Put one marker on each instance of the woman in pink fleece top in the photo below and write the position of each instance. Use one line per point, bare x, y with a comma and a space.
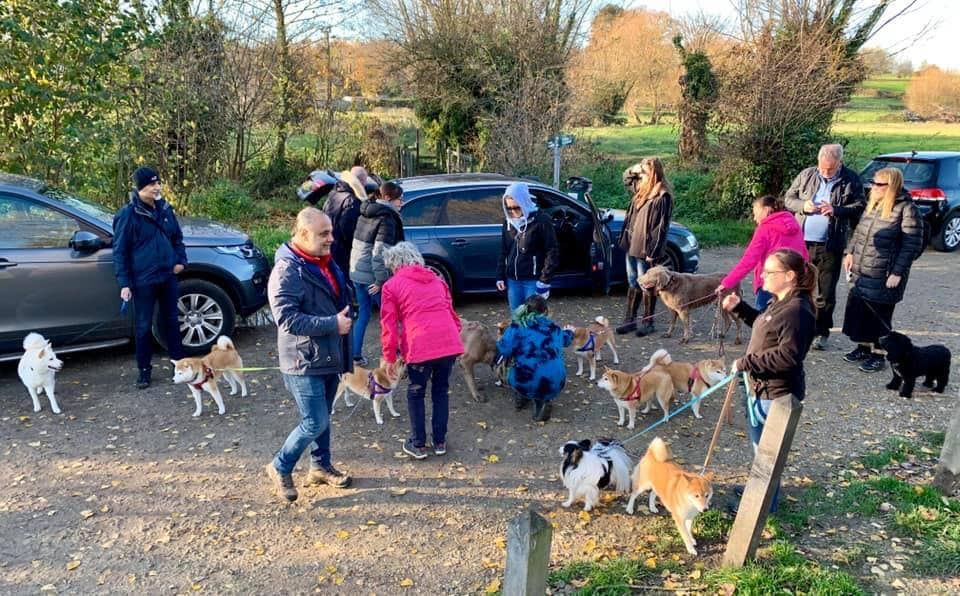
418, 321
776, 229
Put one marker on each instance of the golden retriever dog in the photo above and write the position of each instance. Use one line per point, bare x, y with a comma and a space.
588, 342
684, 494
683, 292
479, 347
629, 390
689, 378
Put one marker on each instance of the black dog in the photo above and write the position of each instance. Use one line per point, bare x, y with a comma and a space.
909, 362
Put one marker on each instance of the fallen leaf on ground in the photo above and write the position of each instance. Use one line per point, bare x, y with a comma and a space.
500, 542
72, 565
406, 583
342, 534
583, 516
86, 514
493, 458
493, 587
651, 562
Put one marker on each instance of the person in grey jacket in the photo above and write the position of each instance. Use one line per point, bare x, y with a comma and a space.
310, 300
887, 240
378, 228
827, 200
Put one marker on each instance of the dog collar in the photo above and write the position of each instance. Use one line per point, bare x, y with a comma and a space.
207, 375
590, 345
374, 387
694, 377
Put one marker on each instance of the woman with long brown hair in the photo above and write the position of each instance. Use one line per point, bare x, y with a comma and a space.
644, 236
878, 260
781, 337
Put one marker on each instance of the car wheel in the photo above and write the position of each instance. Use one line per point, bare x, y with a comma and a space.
949, 237
205, 313
671, 260
442, 272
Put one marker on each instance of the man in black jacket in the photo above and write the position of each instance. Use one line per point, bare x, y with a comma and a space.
828, 200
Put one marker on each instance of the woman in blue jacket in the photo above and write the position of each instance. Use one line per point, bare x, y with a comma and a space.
148, 253
534, 345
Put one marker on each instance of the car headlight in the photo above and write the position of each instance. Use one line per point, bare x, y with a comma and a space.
244, 251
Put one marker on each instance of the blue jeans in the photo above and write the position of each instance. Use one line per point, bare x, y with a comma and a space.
519, 290
761, 410
635, 268
438, 373
763, 299
314, 397
365, 304
144, 298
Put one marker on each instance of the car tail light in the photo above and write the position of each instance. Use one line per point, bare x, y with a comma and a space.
928, 193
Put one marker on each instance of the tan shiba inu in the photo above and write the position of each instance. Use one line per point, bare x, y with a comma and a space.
376, 384
629, 390
683, 494
689, 378
202, 374
588, 342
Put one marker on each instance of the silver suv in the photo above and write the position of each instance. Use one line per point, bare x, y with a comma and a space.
56, 274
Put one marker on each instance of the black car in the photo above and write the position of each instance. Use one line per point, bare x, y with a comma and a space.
456, 221
933, 179
56, 274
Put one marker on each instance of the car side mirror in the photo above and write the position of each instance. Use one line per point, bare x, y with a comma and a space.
85, 242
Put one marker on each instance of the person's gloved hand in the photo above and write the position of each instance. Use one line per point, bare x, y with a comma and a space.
543, 289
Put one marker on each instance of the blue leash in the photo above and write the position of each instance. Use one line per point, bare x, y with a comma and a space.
692, 401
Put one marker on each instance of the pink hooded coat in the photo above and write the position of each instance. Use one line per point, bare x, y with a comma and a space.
779, 230
417, 317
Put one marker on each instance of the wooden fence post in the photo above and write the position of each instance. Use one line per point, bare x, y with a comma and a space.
528, 555
947, 474
764, 478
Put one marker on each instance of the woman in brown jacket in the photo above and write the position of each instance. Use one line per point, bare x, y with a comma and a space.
644, 237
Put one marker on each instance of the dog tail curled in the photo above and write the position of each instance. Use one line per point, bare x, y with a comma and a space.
659, 358
33, 341
225, 343
660, 450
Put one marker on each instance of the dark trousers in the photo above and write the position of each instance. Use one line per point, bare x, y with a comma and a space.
437, 372
828, 266
164, 296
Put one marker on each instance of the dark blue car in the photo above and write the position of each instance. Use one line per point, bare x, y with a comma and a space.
456, 220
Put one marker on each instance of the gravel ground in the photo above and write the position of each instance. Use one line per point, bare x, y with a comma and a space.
125, 492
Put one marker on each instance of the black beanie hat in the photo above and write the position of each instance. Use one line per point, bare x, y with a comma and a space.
145, 176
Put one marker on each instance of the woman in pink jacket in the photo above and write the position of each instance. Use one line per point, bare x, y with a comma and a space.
418, 321
776, 229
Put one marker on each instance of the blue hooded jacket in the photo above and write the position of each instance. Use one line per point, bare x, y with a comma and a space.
147, 243
535, 345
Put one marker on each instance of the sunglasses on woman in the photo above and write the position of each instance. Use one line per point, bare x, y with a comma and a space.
876, 183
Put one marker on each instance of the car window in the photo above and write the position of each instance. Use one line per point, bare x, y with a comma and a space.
475, 207
28, 224
82, 205
422, 211
916, 173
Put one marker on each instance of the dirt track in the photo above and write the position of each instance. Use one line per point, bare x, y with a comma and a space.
125, 492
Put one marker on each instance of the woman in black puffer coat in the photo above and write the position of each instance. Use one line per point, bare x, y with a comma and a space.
878, 258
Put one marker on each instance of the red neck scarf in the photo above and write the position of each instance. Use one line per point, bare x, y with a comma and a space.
322, 263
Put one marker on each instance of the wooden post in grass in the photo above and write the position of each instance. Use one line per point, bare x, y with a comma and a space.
947, 475
763, 480
528, 555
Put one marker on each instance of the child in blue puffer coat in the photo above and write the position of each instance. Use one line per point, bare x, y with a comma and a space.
534, 344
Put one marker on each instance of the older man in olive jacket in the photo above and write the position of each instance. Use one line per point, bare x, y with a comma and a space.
310, 299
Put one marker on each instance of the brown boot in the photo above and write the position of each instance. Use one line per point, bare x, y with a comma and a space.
282, 483
649, 305
630, 316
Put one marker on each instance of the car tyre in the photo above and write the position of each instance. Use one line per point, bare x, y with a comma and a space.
948, 239
208, 313
442, 272
671, 260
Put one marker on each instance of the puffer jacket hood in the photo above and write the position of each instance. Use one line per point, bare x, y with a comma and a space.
417, 274
377, 208
519, 192
782, 222
346, 177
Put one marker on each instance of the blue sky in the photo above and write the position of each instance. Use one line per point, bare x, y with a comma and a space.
927, 33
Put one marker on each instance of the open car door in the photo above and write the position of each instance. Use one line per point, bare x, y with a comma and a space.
601, 248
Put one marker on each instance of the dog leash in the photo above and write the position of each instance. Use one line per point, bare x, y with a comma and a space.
684, 305
249, 368
723, 414
689, 404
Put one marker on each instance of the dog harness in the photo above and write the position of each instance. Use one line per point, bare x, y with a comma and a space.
590, 345
694, 377
374, 387
207, 375
635, 395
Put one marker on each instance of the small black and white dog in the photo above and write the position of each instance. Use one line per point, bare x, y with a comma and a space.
588, 467
909, 362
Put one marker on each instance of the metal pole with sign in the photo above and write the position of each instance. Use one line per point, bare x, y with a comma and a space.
556, 144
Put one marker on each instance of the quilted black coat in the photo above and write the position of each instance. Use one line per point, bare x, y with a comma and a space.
884, 246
